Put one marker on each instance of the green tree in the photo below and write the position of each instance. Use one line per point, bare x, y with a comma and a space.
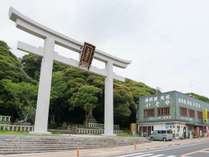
123, 99
86, 98
137, 89
199, 97
31, 65
19, 99
10, 66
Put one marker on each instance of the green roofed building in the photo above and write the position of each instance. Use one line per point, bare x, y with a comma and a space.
185, 116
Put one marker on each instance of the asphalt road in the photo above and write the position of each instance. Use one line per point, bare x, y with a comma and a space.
187, 150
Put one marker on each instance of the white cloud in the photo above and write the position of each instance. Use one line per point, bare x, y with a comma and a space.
167, 40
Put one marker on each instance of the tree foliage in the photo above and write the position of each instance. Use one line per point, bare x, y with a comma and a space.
11, 67
17, 90
86, 98
19, 96
76, 95
199, 97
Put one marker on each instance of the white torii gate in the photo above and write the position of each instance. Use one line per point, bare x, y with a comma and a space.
48, 54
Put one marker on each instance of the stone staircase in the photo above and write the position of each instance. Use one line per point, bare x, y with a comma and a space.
12, 144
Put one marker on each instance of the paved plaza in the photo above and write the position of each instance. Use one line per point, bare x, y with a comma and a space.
153, 149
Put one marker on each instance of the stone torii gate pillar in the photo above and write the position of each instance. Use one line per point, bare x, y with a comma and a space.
42, 111
52, 38
109, 121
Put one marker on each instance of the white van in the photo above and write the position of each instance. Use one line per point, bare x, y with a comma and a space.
162, 135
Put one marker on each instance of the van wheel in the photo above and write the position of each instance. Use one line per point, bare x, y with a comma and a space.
164, 139
151, 139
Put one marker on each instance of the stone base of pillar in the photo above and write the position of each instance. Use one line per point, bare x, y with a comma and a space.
108, 135
40, 133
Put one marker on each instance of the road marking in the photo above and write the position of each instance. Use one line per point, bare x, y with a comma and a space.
143, 155
157, 155
146, 155
175, 148
155, 150
129, 155
195, 152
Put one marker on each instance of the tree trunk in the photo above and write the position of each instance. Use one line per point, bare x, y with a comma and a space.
88, 116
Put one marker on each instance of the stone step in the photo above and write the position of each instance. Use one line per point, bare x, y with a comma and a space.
12, 144
39, 149
76, 142
45, 145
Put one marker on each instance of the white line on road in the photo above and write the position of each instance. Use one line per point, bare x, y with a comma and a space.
129, 155
174, 147
146, 155
143, 155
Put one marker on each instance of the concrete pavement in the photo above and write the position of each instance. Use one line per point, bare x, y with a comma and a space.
155, 147
198, 149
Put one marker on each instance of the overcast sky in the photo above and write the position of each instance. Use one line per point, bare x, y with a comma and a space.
167, 40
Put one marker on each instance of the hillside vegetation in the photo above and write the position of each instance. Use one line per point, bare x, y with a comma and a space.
76, 95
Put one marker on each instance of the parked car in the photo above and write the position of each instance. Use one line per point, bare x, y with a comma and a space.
162, 135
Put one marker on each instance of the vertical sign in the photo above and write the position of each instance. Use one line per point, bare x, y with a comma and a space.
87, 55
205, 115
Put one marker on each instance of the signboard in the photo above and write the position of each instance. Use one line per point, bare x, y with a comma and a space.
188, 102
87, 55
205, 115
157, 101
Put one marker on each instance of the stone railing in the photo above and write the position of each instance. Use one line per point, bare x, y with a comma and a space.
94, 131
95, 125
90, 131
5, 119
99, 125
21, 128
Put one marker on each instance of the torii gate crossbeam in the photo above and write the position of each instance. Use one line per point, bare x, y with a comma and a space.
48, 54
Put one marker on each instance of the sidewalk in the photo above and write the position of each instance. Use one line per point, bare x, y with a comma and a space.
107, 152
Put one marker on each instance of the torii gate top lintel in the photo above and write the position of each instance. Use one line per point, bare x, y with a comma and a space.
33, 27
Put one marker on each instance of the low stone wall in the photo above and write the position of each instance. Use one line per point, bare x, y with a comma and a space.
22, 128
5, 119
87, 131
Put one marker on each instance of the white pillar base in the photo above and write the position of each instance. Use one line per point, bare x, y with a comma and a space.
113, 135
40, 133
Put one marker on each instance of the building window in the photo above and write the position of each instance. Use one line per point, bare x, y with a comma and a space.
191, 113
149, 113
164, 111
199, 115
183, 112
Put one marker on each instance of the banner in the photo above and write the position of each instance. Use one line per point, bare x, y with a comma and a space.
205, 115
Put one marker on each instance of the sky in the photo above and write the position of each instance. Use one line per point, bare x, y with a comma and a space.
166, 40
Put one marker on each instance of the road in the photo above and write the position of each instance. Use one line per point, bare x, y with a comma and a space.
187, 150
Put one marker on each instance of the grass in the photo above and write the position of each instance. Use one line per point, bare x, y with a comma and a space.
56, 133
13, 133
25, 133
127, 133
